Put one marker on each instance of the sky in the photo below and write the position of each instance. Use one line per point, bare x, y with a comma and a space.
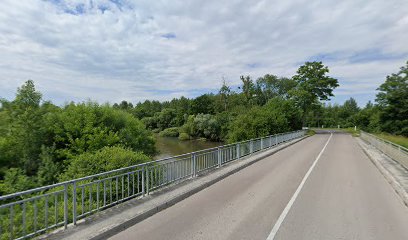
114, 50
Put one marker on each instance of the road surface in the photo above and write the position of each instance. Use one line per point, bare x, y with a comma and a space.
323, 187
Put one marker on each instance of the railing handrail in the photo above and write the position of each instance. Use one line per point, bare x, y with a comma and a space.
5, 197
386, 141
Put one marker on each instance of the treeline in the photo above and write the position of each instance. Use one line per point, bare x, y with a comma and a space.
389, 113
267, 105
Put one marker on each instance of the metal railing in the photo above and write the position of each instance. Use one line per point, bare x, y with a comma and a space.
394, 151
36, 211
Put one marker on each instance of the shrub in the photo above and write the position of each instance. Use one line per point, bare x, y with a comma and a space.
105, 159
170, 132
184, 136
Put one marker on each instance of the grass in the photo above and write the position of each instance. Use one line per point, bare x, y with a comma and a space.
354, 133
400, 140
310, 132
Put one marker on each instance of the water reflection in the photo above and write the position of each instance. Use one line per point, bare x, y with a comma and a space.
169, 146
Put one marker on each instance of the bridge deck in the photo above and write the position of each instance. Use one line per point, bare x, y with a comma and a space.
345, 197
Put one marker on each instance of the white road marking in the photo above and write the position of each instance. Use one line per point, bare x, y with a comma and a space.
285, 212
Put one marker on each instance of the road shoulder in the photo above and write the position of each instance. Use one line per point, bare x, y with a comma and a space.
394, 173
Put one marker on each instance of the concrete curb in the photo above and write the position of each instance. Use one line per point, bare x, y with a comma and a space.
122, 226
387, 175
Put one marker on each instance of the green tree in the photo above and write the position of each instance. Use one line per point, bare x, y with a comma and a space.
270, 86
83, 127
278, 115
15, 180
224, 94
393, 100
348, 113
248, 88
313, 85
22, 129
203, 104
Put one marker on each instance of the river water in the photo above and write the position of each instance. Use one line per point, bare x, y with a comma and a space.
171, 146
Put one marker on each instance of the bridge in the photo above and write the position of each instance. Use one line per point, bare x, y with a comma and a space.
286, 186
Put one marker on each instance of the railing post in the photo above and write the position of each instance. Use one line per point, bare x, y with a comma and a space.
65, 206
147, 180
74, 211
143, 181
219, 156
238, 151
276, 139
193, 164
262, 143
251, 146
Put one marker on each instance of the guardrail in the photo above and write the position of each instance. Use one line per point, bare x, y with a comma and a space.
36, 211
394, 151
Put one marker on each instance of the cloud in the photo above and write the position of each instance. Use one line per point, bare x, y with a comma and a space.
169, 35
134, 50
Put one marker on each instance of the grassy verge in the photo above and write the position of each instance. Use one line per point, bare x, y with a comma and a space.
354, 133
400, 140
310, 132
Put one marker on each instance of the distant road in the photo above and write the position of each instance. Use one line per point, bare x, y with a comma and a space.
343, 197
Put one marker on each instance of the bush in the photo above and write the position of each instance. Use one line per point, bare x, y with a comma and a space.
276, 116
202, 125
184, 136
88, 127
170, 132
105, 159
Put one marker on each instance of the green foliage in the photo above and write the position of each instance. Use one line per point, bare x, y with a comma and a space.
310, 132
203, 104
400, 140
313, 85
202, 125
170, 132
276, 116
83, 127
393, 99
22, 129
165, 118
248, 88
224, 93
105, 159
184, 136
270, 86
38, 139
15, 180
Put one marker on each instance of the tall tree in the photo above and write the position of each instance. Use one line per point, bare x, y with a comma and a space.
393, 99
313, 85
224, 93
248, 88
270, 86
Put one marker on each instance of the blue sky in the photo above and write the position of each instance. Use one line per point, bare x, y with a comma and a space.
113, 50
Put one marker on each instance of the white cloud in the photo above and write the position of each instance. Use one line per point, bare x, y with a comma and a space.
107, 51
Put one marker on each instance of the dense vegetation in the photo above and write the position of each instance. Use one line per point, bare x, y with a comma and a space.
41, 143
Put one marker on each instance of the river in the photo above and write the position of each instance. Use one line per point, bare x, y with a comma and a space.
171, 146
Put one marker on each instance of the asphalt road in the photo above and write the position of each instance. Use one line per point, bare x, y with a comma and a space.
315, 189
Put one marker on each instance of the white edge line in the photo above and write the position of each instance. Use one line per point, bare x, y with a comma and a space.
285, 212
